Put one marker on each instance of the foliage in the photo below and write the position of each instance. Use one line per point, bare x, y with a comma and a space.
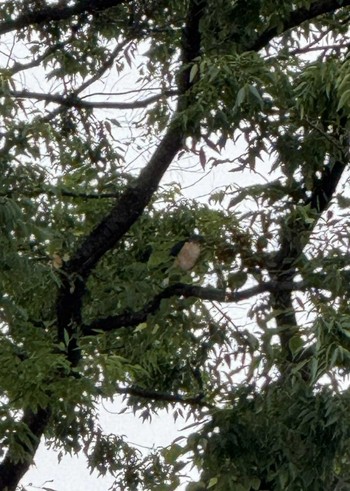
92, 304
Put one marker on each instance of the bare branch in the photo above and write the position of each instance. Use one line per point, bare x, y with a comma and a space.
18, 67
104, 67
326, 47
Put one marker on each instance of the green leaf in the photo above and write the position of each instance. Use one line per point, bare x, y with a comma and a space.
296, 344
193, 72
212, 482
241, 96
344, 99
172, 453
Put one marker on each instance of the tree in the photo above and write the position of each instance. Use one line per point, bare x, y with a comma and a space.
93, 305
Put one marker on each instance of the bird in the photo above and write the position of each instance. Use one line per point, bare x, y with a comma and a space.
187, 252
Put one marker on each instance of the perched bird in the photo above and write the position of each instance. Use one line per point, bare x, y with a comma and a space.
187, 252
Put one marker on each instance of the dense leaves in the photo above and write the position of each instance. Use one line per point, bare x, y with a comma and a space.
102, 104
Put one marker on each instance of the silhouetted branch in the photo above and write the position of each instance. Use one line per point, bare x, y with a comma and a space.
296, 18
58, 192
132, 319
18, 67
56, 12
74, 101
163, 396
12, 469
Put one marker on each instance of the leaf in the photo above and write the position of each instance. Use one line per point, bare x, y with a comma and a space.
193, 72
141, 327
172, 453
212, 145
254, 91
66, 337
202, 158
255, 483
295, 344
344, 100
241, 95
212, 482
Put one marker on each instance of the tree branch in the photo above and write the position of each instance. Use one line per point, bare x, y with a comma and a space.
137, 196
74, 101
321, 196
132, 319
59, 192
18, 67
293, 236
163, 396
12, 470
56, 12
297, 17
108, 63
131, 204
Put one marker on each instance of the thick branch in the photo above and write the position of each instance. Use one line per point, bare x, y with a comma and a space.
128, 208
321, 196
162, 396
136, 197
56, 12
326, 186
294, 235
11, 471
132, 319
297, 17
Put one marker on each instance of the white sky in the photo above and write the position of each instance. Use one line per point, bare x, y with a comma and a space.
72, 473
